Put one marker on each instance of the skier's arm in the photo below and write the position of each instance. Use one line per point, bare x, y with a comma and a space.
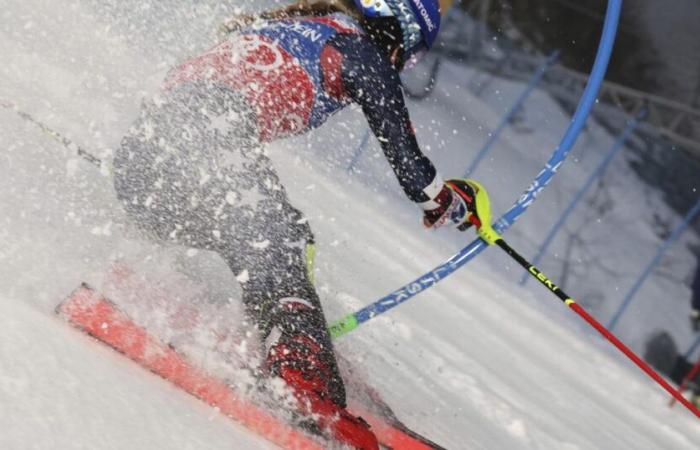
369, 80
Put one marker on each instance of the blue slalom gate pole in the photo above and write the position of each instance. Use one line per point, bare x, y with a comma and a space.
352, 321
517, 106
360, 149
597, 173
654, 262
692, 348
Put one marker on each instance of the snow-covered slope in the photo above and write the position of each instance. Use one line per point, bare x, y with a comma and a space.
474, 363
61, 390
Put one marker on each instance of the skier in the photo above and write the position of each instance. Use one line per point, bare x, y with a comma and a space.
193, 171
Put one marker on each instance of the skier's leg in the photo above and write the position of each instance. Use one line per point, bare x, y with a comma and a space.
277, 289
190, 174
299, 349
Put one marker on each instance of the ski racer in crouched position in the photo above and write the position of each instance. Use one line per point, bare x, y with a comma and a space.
193, 171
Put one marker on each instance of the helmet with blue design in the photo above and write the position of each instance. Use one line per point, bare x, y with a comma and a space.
419, 19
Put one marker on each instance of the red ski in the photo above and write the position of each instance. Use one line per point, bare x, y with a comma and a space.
97, 316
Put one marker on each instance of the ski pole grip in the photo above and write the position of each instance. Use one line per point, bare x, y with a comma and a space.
483, 210
488, 234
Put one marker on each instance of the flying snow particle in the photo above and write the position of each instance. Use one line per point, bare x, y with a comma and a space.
260, 245
243, 277
105, 230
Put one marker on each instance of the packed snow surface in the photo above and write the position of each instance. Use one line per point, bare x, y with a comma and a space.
474, 363
59, 390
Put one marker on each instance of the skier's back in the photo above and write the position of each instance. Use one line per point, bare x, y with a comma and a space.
193, 170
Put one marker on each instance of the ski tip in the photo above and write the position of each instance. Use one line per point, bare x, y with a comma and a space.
82, 291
